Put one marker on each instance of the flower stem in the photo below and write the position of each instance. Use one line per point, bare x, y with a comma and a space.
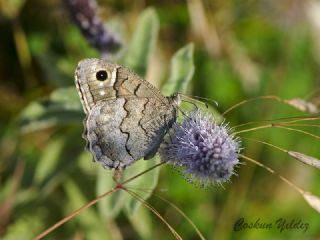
94, 201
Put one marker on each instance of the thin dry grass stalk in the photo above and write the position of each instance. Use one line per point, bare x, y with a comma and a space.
311, 199
314, 162
303, 105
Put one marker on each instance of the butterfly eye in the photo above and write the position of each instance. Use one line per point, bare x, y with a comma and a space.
101, 75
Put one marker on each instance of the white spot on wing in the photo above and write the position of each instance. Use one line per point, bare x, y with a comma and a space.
113, 76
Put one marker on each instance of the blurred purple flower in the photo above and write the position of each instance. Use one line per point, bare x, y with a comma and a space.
207, 152
84, 14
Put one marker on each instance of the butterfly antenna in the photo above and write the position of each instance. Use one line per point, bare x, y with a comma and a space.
183, 113
198, 99
191, 102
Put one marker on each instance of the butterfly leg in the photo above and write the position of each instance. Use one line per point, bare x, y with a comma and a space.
117, 175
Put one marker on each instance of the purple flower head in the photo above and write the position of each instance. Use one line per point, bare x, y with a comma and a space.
84, 14
206, 151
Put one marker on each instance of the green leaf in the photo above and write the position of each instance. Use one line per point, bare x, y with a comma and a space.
110, 206
181, 71
12, 8
39, 44
86, 164
7, 188
143, 42
146, 182
62, 74
20, 229
56, 162
48, 160
94, 227
142, 215
63, 106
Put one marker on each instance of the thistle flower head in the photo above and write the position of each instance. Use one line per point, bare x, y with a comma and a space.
206, 151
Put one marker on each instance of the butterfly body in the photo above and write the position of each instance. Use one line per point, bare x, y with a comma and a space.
127, 117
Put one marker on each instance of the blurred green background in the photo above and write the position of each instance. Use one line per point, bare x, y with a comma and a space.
241, 49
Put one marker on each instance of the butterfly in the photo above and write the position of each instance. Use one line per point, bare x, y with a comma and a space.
126, 116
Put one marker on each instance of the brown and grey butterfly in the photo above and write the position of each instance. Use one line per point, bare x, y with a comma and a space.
127, 117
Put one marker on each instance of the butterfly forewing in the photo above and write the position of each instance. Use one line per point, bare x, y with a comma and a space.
127, 117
